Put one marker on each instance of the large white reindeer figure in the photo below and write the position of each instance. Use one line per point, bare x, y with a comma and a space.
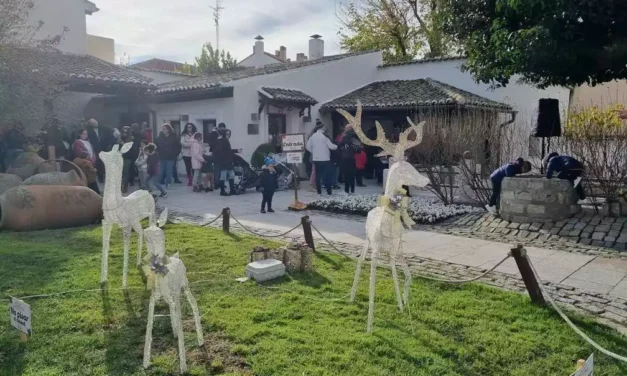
167, 277
384, 226
126, 212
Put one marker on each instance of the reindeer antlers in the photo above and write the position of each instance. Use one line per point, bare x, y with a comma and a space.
397, 151
381, 141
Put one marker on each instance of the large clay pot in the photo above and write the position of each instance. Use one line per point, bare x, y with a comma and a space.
27, 164
55, 178
8, 181
40, 207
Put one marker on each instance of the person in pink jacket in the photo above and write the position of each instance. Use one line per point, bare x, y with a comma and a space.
197, 159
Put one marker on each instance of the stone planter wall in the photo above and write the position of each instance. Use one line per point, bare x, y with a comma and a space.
536, 199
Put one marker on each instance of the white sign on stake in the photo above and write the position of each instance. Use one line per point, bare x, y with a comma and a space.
20, 316
587, 368
293, 142
294, 158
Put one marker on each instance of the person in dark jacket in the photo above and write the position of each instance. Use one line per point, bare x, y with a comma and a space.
129, 157
268, 184
168, 145
223, 162
14, 140
520, 166
567, 168
152, 169
348, 147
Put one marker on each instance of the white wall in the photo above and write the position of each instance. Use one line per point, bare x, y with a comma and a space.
58, 15
324, 82
523, 98
101, 47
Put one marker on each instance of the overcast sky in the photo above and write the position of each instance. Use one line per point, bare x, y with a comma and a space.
176, 30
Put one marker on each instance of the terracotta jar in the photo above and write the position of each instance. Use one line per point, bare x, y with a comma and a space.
55, 178
8, 181
40, 207
27, 164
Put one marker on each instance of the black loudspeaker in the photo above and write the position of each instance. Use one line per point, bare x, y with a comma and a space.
549, 123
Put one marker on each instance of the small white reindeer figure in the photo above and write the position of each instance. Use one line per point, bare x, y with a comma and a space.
167, 277
384, 225
126, 212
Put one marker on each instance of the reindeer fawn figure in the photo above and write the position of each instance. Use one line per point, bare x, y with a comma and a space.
384, 226
126, 212
167, 276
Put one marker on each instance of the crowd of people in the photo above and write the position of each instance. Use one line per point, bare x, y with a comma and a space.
333, 162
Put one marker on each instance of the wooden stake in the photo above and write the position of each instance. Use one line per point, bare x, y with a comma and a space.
580, 364
226, 220
23, 337
307, 232
531, 283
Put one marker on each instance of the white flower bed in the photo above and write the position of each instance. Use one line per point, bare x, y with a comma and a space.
421, 209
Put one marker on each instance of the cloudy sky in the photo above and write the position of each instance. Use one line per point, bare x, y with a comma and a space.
176, 30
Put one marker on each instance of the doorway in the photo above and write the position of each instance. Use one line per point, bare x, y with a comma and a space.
207, 127
277, 126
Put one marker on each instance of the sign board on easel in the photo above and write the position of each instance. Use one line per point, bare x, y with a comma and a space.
20, 316
294, 158
587, 368
293, 142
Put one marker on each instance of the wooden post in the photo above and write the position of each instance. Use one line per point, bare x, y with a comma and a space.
226, 220
307, 231
580, 364
531, 283
23, 337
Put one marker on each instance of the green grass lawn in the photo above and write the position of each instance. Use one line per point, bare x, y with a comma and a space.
295, 329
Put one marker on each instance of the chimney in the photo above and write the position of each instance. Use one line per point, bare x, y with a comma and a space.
301, 57
283, 53
258, 49
316, 47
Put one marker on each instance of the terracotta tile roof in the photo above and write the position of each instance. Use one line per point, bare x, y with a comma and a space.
160, 64
289, 95
76, 67
207, 82
422, 61
411, 93
174, 73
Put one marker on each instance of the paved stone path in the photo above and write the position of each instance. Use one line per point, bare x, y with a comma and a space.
595, 283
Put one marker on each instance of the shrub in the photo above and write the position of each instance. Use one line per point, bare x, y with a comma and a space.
260, 153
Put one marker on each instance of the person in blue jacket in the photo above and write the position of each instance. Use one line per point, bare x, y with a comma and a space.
519, 166
567, 168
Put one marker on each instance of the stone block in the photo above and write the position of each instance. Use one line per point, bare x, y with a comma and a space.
516, 208
602, 228
505, 231
575, 233
554, 231
585, 235
598, 243
525, 226
579, 226
585, 241
503, 224
589, 228
533, 235
620, 246
622, 239
536, 209
561, 224
609, 239
514, 232
568, 226
608, 244
617, 227
595, 220
608, 220
614, 233
536, 226
523, 234
598, 235
513, 226
563, 232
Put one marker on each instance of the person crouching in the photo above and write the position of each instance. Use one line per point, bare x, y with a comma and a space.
519, 166
269, 183
566, 168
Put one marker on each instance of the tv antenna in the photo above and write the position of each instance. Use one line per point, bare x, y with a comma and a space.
216, 17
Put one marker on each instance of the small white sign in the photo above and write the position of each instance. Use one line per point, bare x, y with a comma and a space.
20, 316
293, 142
587, 368
294, 158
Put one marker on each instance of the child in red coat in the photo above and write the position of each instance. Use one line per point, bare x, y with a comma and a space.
360, 162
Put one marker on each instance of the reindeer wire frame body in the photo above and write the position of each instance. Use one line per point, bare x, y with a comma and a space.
167, 277
126, 212
384, 225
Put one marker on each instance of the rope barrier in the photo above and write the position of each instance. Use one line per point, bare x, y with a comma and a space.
471, 279
212, 221
328, 241
570, 323
263, 235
